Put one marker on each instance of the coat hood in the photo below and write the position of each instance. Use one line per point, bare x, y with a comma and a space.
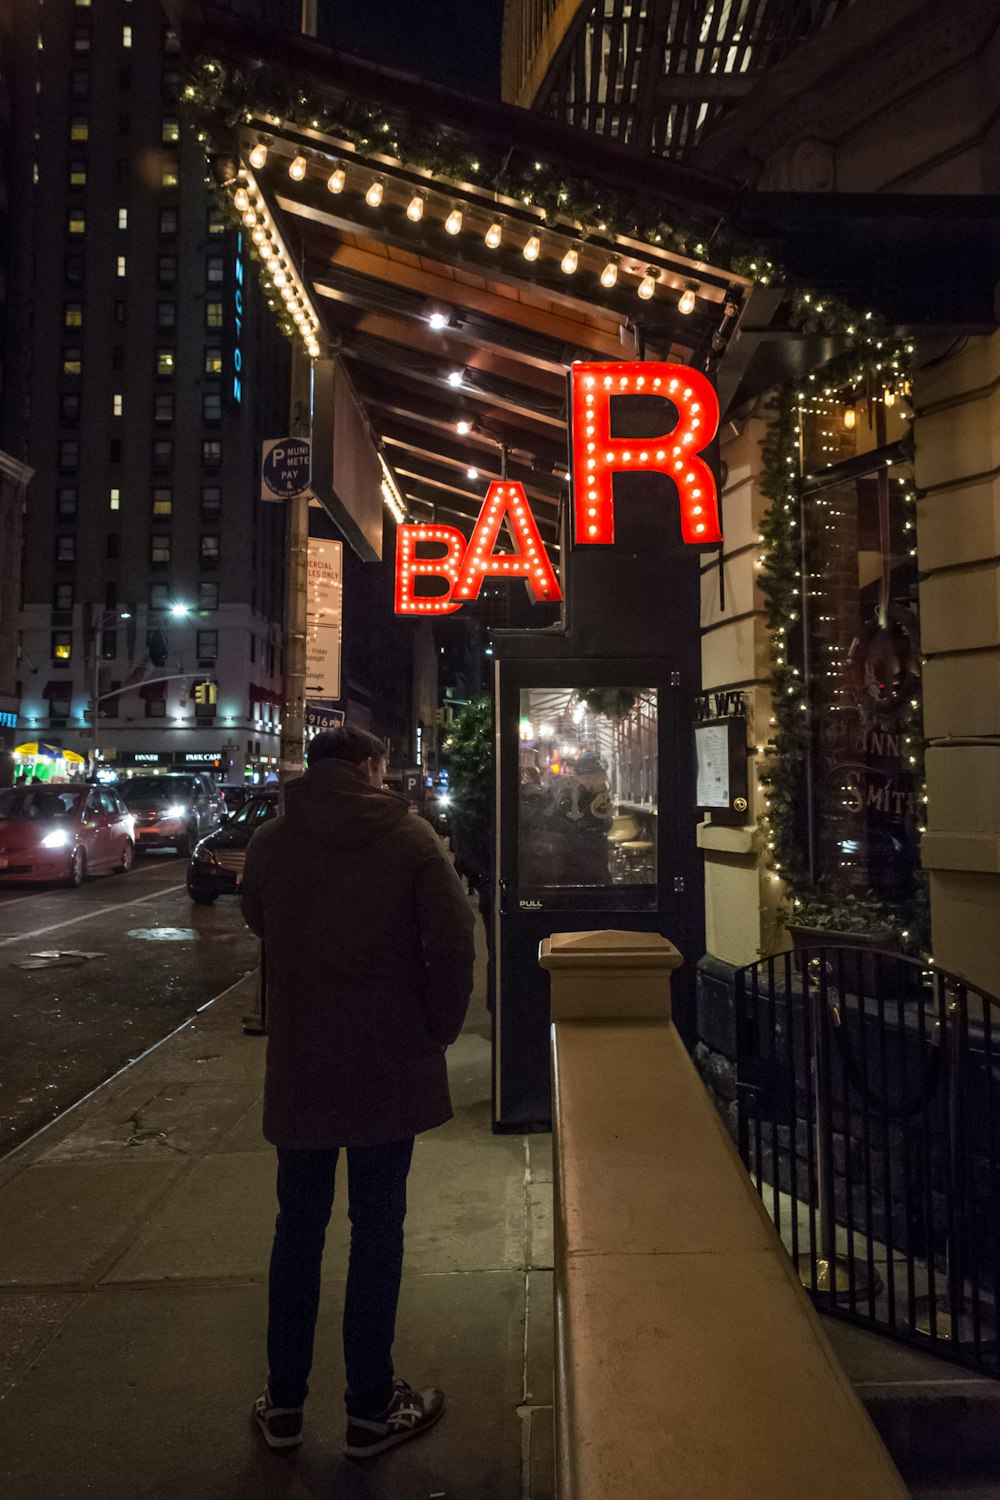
335, 801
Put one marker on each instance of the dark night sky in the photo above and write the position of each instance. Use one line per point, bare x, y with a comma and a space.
455, 42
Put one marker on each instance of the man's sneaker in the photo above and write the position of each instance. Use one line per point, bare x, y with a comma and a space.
281, 1426
408, 1413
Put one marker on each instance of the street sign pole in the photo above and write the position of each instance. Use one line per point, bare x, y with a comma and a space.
296, 565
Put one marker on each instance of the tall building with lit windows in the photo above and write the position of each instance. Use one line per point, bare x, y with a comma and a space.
142, 373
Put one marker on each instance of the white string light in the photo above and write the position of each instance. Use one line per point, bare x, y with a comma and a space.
336, 180
570, 261
258, 156
453, 223
609, 275
415, 208
686, 303
494, 235
647, 286
297, 170
532, 247
375, 193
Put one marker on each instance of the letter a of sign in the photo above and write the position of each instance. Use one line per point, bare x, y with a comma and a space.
531, 562
597, 455
410, 567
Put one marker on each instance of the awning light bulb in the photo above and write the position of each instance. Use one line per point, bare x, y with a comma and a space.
686, 302
453, 223
297, 170
494, 235
532, 248
647, 286
258, 156
374, 195
570, 260
609, 275
415, 208
241, 200
336, 180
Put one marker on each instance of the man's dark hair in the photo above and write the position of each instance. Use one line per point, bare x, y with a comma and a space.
346, 742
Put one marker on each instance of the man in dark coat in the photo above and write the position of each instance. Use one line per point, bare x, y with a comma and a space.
369, 943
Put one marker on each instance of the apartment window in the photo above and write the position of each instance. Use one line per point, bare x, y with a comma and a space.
79, 128
211, 502
168, 175
117, 404
167, 270
121, 265
112, 546
213, 314
69, 453
81, 39
156, 708
126, 36
170, 131
168, 221
159, 595
82, 4
60, 708
73, 315
69, 407
72, 362
123, 218
74, 270
211, 406
159, 550
163, 406
77, 174
62, 596
171, 41
66, 501
76, 221
166, 316
208, 596
210, 551
62, 646
163, 453
207, 645
109, 645
171, 83
115, 451
66, 548
211, 453
81, 83
119, 310
213, 361
163, 502
164, 361
118, 358
216, 221
114, 499
215, 269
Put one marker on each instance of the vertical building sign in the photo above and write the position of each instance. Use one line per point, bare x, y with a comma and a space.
239, 283
323, 619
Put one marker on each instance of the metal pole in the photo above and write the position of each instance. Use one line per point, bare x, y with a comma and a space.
293, 719
96, 700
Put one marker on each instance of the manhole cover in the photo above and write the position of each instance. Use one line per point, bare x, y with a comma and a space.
164, 934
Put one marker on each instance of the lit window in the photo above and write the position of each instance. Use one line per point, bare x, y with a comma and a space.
73, 315
164, 361
215, 269
169, 177
123, 218
83, 4
126, 36
121, 265
159, 550
79, 128
117, 404
72, 362
213, 314
216, 221
171, 130
77, 221
163, 502
78, 174
62, 645
213, 361
81, 39
114, 499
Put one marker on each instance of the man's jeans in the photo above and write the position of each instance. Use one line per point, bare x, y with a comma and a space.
376, 1187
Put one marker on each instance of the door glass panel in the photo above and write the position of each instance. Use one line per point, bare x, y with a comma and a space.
587, 797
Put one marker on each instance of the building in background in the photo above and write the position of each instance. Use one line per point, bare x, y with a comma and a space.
142, 372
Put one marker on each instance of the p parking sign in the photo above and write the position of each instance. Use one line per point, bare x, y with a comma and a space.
285, 468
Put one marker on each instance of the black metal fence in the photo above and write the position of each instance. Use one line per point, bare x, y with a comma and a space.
869, 1118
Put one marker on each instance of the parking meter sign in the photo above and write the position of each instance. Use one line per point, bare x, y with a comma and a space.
285, 468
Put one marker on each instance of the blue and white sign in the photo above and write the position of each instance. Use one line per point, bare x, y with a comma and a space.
285, 468
239, 272
320, 715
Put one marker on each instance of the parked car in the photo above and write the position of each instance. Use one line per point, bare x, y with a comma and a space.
234, 794
216, 867
173, 810
63, 832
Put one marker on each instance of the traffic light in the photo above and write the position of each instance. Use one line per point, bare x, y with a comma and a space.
206, 692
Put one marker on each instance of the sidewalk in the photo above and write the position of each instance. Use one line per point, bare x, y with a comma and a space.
134, 1236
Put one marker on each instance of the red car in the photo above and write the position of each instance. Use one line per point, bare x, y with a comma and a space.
63, 832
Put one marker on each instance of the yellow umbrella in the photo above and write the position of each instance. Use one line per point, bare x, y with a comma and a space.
72, 759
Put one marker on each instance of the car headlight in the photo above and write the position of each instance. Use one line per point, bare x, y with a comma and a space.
177, 811
57, 839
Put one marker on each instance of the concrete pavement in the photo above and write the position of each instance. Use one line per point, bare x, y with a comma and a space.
134, 1235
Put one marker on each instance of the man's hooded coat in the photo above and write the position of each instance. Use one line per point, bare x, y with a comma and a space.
368, 936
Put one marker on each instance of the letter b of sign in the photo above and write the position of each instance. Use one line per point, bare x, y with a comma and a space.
597, 456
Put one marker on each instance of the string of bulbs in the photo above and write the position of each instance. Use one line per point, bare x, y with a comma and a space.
455, 221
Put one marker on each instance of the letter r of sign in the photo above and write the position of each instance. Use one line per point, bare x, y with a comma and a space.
597, 456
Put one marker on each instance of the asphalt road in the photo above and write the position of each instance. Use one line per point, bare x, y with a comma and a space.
159, 957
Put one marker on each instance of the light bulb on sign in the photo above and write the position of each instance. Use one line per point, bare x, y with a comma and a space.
686, 302
297, 170
647, 286
453, 223
456, 377
532, 248
280, 279
415, 208
610, 274
472, 473
336, 180
249, 218
375, 193
463, 428
258, 156
241, 200
438, 321
259, 235
494, 235
849, 418
570, 261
